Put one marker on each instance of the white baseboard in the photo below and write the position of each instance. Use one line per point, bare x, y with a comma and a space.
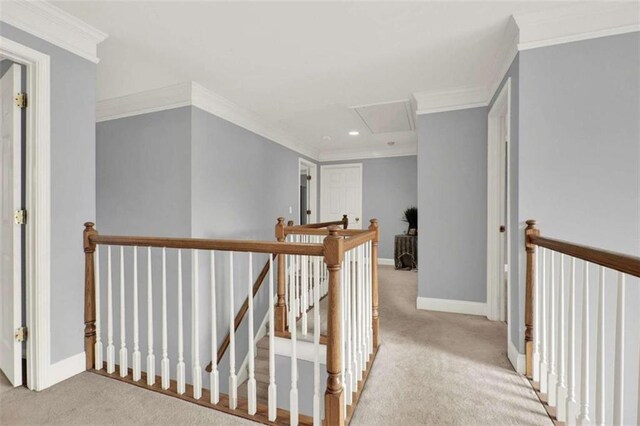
454, 306
518, 360
383, 261
66, 368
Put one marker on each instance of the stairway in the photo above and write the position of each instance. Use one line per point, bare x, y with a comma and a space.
261, 373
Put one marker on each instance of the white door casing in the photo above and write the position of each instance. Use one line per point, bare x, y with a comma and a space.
341, 193
311, 169
10, 232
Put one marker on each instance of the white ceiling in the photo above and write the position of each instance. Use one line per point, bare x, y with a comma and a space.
302, 66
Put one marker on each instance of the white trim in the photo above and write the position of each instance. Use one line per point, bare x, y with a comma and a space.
53, 25
191, 93
579, 37
66, 368
517, 360
403, 150
453, 306
38, 205
386, 262
305, 351
313, 188
450, 100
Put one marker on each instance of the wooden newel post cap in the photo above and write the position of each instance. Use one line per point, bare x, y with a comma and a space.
89, 230
333, 247
89, 225
280, 236
531, 223
530, 231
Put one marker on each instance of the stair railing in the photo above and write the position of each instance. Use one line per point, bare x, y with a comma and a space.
557, 271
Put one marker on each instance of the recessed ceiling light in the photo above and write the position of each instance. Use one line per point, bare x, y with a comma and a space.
391, 143
354, 133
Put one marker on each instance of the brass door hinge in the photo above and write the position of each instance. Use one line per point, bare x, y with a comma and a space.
21, 334
21, 100
20, 217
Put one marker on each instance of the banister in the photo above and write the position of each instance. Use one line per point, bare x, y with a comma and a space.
296, 230
361, 238
344, 222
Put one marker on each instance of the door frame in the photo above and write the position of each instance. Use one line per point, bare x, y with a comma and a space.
496, 167
37, 248
313, 188
323, 168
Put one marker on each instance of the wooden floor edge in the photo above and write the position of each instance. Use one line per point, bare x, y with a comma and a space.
261, 416
361, 385
543, 400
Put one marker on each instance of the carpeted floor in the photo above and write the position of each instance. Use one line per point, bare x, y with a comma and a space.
432, 368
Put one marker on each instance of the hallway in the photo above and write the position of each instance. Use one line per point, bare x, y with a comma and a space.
432, 368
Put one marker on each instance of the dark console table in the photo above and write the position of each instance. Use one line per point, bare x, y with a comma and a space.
406, 251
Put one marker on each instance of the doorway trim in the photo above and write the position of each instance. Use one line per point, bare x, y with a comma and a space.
495, 168
313, 188
38, 206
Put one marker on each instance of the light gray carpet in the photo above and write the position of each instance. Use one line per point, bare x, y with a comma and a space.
432, 368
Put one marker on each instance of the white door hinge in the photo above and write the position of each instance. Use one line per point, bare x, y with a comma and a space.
20, 217
21, 334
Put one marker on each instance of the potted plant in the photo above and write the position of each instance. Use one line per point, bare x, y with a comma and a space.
411, 217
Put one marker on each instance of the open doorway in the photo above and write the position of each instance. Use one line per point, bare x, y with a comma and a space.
498, 258
308, 183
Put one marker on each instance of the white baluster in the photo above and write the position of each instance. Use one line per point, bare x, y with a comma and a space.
583, 417
164, 364
293, 394
151, 359
317, 419
600, 357
553, 347
369, 304
251, 383
304, 289
618, 375
561, 390
348, 375
360, 319
354, 323
273, 408
195, 329
572, 406
544, 337
111, 355
233, 380
98, 345
124, 367
180, 368
214, 375
536, 318
136, 357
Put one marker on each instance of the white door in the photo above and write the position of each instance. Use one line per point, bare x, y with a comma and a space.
10, 233
341, 193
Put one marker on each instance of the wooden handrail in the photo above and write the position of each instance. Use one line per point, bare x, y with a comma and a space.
344, 222
295, 230
361, 238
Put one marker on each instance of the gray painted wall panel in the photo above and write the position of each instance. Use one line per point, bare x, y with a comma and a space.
73, 186
452, 201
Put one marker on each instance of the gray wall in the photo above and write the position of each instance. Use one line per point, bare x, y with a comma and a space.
73, 186
452, 201
389, 186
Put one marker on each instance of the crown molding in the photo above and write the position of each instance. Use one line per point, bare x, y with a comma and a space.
53, 25
365, 153
193, 94
580, 21
450, 100
504, 57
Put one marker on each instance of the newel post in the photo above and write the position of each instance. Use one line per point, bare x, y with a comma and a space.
345, 221
89, 295
281, 310
334, 394
374, 281
529, 232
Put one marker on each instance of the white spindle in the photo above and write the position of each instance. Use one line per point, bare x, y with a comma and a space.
561, 391
536, 318
304, 290
98, 345
180, 368
618, 375
544, 337
354, 324
370, 296
348, 375
251, 383
136, 357
195, 329
600, 351
124, 367
360, 319
165, 375
214, 375
583, 417
111, 355
571, 406
553, 347
293, 394
317, 419
233, 380
272, 361
151, 359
